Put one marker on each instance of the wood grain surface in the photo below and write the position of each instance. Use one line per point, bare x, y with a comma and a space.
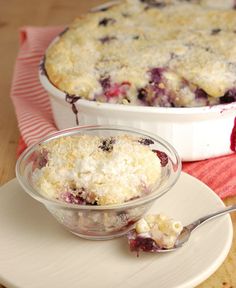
17, 13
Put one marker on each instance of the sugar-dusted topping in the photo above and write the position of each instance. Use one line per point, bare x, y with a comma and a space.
192, 41
97, 170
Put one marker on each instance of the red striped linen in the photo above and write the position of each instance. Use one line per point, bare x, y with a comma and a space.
35, 118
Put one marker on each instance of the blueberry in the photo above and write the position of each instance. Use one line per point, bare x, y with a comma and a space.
145, 244
229, 97
107, 144
105, 83
72, 199
145, 141
215, 31
142, 94
107, 39
156, 75
200, 93
154, 3
106, 21
162, 156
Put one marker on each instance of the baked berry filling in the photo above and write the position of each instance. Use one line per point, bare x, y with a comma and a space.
41, 159
202, 98
156, 75
162, 156
159, 93
142, 94
72, 199
72, 99
77, 196
105, 83
107, 39
155, 93
153, 3
112, 90
200, 94
145, 141
229, 97
139, 243
106, 21
107, 144
215, 31
233, 137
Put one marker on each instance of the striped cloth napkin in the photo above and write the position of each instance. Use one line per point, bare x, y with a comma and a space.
35, 118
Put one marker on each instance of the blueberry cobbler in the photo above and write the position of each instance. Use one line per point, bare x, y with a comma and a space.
154, 232
168, 53
93, 170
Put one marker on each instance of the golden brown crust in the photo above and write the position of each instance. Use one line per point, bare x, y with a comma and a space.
194, 41
108, 170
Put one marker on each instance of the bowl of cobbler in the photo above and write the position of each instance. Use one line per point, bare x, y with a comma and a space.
165, 66
98, 181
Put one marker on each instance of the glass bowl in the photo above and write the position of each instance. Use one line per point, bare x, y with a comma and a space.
93, 221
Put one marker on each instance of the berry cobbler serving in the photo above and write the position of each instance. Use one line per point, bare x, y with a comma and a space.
98, 181
163, 53
93, 170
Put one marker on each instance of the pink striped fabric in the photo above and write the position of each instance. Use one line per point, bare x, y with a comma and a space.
31, 102
35, 118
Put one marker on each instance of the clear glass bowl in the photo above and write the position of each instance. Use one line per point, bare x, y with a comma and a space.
100, 222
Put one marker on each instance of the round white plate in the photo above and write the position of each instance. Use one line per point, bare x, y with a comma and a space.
36, 252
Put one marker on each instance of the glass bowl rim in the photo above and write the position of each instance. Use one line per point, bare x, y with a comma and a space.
76, 130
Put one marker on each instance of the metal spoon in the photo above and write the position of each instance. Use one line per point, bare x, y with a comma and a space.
187, 230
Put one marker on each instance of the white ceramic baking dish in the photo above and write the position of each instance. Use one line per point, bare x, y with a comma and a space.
196, 133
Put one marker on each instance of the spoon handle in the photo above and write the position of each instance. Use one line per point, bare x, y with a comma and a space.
208, 217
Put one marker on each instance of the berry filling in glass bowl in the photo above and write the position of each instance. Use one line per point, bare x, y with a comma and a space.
98, 181
97, 170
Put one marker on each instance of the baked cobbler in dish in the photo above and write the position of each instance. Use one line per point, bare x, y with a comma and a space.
166, 53
93, 170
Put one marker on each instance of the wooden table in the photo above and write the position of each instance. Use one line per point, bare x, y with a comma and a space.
14, 14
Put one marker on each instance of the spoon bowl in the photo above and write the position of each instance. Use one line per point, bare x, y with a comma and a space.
187, 230
148, 244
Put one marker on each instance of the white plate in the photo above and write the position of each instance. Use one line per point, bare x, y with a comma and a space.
36, 252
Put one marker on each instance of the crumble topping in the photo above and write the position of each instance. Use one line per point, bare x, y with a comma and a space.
149, 52
94, 170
